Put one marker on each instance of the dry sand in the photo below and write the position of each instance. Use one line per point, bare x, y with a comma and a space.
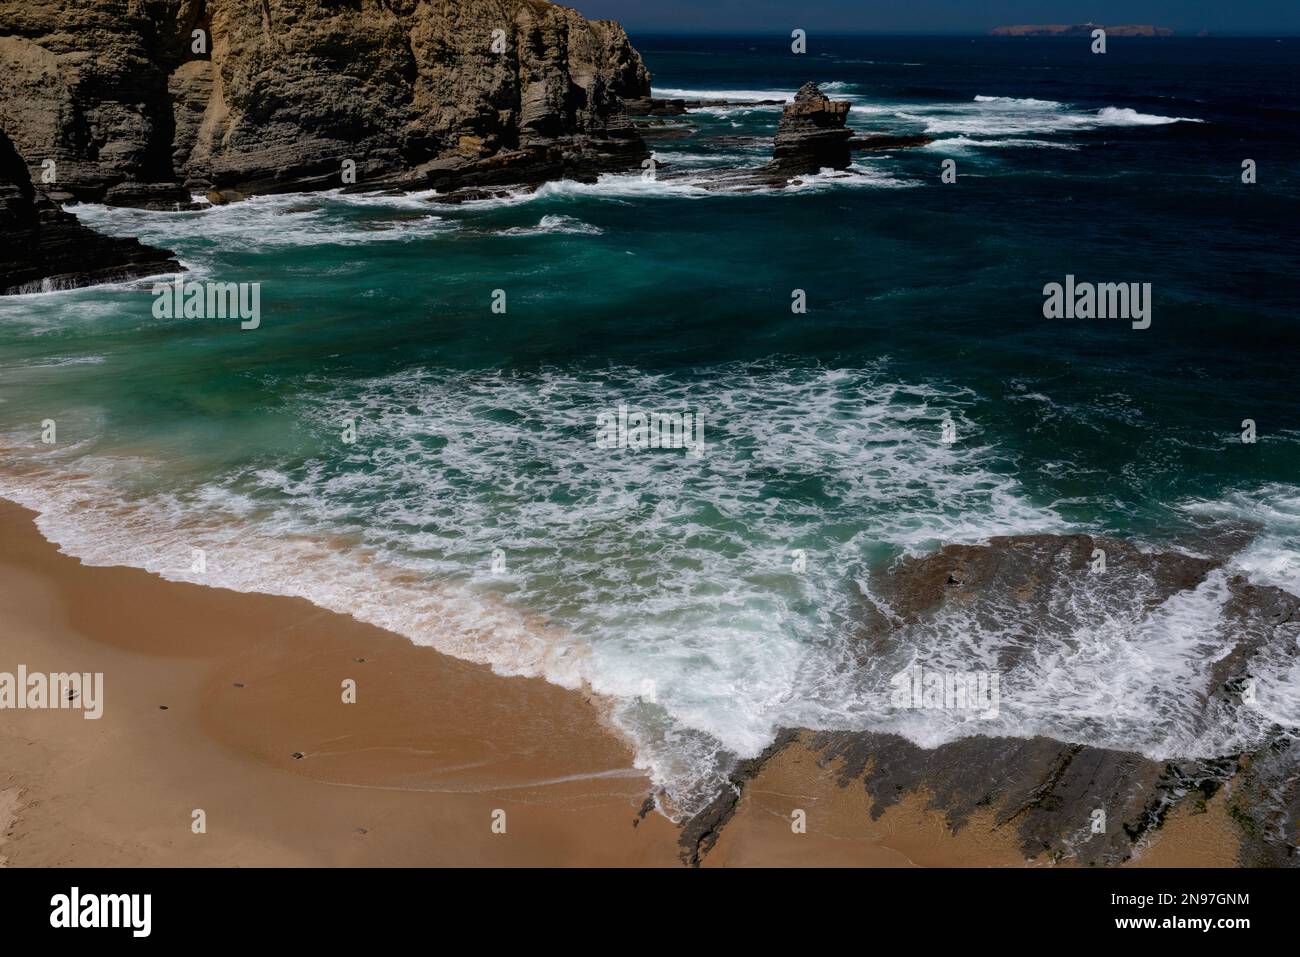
208, 695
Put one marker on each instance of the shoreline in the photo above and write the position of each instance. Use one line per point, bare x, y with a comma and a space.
209, 694
231, 703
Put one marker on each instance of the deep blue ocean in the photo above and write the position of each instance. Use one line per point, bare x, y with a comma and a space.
476, 513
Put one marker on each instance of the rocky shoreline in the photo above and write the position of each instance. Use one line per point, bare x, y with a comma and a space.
150, 106
147, 105
43, 248
1046, 791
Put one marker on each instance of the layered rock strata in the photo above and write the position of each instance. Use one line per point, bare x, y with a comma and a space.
43, 248
144, 103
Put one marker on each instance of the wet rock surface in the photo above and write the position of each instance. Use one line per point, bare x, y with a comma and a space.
811, 138
812, 134
43, 248
1046, 791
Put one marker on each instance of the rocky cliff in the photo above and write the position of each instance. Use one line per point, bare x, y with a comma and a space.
42, 247
141, 102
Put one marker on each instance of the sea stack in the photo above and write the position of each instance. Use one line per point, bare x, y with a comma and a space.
812, 134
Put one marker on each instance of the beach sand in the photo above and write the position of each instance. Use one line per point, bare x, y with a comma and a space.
209, 694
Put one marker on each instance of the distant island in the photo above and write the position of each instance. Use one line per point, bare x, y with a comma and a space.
1080, 30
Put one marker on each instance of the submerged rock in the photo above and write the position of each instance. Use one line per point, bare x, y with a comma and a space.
655, 106
1033, 593
875, 142
224, 197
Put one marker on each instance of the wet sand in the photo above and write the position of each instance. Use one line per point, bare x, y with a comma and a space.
209, 694
410, 774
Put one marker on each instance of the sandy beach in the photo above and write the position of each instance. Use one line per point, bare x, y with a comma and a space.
408, 775
232, 704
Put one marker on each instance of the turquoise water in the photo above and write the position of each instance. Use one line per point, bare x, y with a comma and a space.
713, 600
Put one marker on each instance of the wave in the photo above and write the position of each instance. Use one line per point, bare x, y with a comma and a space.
878, 62
661, 583
666, 585
281, 220
57, 362
857, 175
966, 143
1027, 102
1273, 556
1006, 116
736, 96
10, 305
1124, 116
553, 224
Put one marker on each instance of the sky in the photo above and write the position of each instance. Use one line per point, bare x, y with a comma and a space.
939, 16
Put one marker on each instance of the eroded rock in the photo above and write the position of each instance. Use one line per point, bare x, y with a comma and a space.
138, 108
44, 248
1032, 592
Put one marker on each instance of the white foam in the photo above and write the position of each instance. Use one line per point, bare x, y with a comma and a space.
1273, 556
859, 174
731, 96
660, 581
1010, 116
1123, 116
296, 219
1027, 102
962, 144
666, 583
555, 224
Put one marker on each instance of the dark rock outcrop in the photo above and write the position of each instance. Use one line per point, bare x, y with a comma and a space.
44, 248
1038, 588
813, 134
142, 103
655, 106
877, 142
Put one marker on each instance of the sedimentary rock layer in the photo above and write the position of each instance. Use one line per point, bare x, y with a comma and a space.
812, 134
42, 247
142, 103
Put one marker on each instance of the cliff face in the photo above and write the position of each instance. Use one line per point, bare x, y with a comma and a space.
42, 247
278, 94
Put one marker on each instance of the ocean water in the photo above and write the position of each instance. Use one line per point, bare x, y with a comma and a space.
713, 599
